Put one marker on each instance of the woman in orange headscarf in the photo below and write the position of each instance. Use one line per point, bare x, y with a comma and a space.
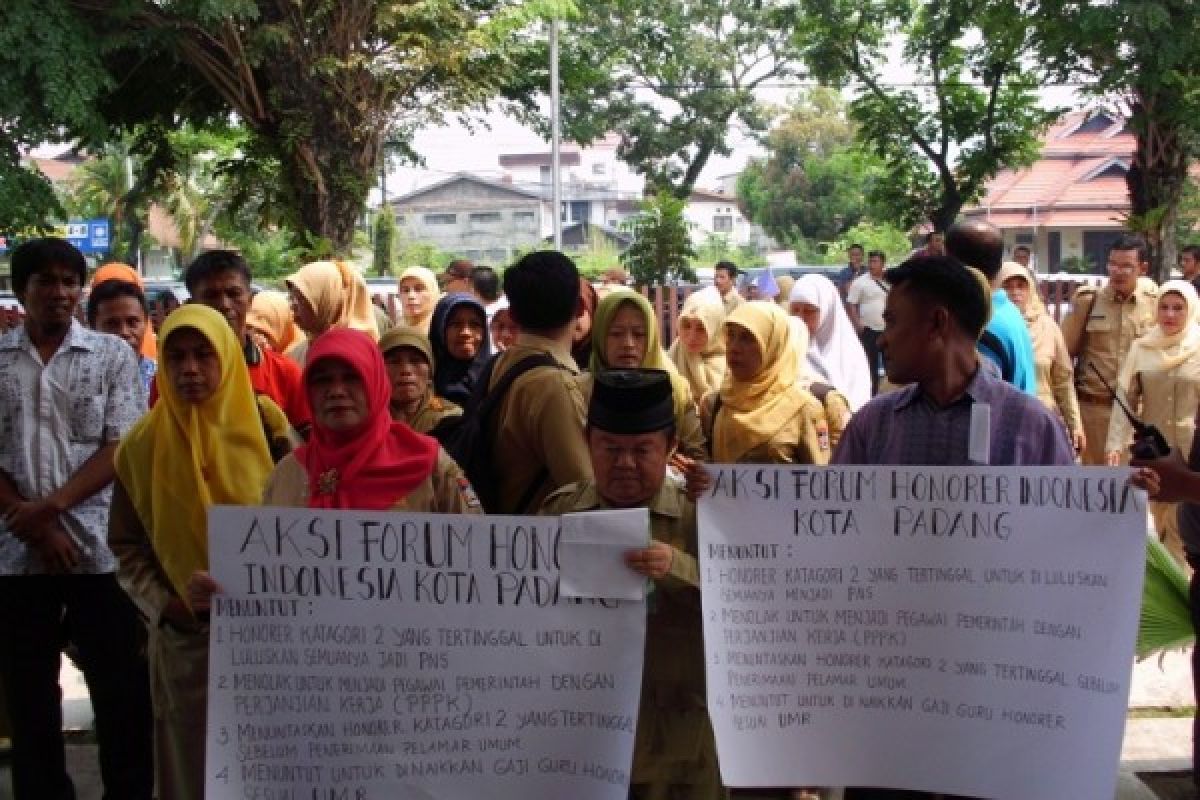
116, 271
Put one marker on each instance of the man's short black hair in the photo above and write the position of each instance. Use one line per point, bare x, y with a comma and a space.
977, 244
855, 246
111, 290
1024, 247
543, 290
878, 254
1192, 249
943, 281
486, 283
212, 262
1132, 241
36, 255
729, 267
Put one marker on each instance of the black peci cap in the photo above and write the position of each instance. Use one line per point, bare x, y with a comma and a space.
631, 401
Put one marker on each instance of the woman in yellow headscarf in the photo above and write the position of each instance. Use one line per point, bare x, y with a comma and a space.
699, 350
1055, 367
761, 415
330, 294
204, 443
419, 294
271, 316
1160, 382
625, 336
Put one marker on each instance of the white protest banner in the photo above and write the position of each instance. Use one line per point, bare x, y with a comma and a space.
967, 630
367, 656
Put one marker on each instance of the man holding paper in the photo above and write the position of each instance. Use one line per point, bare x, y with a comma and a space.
630, 436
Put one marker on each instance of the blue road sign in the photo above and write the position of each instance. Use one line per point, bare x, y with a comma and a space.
90, 236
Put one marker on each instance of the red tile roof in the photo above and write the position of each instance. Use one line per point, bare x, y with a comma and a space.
1077, 181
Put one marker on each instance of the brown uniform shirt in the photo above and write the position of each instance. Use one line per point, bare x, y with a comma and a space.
538, 426
674, 743
1099, 330
431, 411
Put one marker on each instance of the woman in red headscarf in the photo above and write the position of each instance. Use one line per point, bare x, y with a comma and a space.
357, 457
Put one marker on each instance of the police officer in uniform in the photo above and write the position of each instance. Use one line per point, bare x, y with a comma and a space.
1099, 330
630, 436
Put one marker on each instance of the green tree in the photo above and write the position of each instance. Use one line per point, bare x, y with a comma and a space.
384, 240
319, 85
813, 182
717, 247
891, 241
670, 79
974, 112
662, 244
1141, 54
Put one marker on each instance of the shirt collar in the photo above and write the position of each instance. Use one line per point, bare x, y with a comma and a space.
252, 352
980, 389
561, 354
666, 503
77, 338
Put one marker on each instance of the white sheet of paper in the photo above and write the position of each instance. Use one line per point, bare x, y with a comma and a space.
592, 553
979, 449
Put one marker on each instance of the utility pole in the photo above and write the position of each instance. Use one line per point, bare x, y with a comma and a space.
555, 138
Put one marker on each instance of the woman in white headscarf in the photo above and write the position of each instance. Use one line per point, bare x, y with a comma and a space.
1160, 381
835, 354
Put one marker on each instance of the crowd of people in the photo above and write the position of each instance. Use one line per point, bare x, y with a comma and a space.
117, 439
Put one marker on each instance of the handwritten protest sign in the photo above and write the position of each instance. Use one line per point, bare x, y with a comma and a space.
376, 656
961, 630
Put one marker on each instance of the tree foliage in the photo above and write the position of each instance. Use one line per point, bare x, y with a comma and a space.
383, 235
1141, 55
973, 113
662, 243
814, 180
672, 80
319, 84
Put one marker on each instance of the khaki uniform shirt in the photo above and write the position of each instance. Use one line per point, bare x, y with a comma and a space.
674, 742
687, 425
1100, 330
445, 491
539, 425
1162, 398
433, 409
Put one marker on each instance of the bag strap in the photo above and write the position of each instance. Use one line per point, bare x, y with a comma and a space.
992, 342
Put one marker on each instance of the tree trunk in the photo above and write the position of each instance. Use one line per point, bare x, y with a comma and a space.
1156, 181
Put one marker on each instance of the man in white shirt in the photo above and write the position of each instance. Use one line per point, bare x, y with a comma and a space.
67, 396
865, 302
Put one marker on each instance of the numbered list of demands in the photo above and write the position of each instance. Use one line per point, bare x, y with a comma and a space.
965, 630
375, 656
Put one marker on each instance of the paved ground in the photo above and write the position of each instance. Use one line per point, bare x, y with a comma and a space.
1157, 749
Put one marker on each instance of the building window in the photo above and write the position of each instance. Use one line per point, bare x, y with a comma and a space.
441, 219
524, 220
722, 223
485, 217
544, 175
399, 219
576, 211
599, 168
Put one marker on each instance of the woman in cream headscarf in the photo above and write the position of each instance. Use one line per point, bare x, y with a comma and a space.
206, 442
1055, 373
270, 316
327, 295
698, 352
835, 353
1160, 381
761, 415
625, 336
419, 294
